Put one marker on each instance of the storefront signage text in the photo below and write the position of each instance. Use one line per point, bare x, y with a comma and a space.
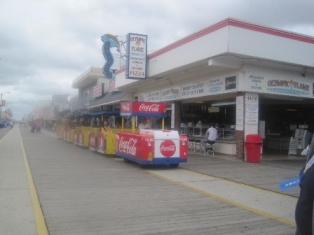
150, 97
136, 56
98, 90
170, 94
239, 113
281, 86
215, 85
193, 90
230, 83
251, 108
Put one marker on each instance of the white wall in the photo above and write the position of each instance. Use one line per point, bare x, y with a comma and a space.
267, 46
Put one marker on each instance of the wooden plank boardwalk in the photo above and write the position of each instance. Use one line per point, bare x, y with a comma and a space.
82, 192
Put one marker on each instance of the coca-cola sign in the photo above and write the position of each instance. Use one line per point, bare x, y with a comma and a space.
92, 141
127, 146
167, 148
149, 107
126, 107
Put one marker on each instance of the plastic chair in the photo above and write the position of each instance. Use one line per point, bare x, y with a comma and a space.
197, 146
191, 144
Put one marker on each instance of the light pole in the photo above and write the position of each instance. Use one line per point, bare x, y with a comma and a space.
1, 102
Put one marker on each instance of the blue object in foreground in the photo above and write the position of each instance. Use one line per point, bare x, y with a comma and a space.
289, 183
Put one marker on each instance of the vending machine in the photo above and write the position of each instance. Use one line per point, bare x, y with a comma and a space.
302, 137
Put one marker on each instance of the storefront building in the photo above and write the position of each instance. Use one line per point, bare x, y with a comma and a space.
245, 78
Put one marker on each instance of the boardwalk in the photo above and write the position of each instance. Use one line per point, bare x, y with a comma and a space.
82, 192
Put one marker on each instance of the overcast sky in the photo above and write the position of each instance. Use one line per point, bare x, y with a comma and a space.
45, 45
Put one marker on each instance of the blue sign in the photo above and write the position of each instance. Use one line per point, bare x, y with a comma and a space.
214, 89
109, 41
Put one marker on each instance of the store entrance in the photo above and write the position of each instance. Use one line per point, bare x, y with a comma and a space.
196, 117
285, 118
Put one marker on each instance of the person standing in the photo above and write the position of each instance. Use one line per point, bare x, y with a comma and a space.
211, 136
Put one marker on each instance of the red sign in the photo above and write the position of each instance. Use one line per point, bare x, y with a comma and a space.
80, 138
143, 108
126, 107
167, 148
3, 103
92, 141
129, 145
134, 145
75, 137
98, 90
101, 143
149, 107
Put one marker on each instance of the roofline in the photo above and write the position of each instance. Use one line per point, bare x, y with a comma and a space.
229, 22
85, 74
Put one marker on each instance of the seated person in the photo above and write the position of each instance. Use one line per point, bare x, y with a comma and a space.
144, 124
105, 129
211, 135
199, 124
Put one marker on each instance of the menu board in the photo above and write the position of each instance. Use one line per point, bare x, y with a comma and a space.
239, 113
251, 109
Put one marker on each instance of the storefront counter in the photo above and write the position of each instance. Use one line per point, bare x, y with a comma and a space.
201, 131
223, 146
277, 142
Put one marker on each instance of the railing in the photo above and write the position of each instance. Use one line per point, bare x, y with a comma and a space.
201, 131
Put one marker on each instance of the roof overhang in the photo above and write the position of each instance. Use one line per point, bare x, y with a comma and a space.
90, 76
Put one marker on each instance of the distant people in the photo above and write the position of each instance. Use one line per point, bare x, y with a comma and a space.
211, 136
35, 126
105, 129
144, 124
199, 124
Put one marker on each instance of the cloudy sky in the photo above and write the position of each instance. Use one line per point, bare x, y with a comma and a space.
46, 44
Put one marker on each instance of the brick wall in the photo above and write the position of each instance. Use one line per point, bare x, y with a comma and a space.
240, 144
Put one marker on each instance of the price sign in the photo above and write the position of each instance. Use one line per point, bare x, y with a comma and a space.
251, 109
252, 98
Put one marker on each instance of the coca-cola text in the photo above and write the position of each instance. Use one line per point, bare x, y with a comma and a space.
128, 146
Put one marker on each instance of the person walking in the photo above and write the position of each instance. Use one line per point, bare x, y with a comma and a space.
211, 136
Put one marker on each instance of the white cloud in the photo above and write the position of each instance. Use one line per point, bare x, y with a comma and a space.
44, 45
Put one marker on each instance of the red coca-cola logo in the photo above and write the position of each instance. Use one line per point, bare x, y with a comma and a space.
149, 108
80, 138
167, 148
101, 143
126, 107
92, 142
128, 146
